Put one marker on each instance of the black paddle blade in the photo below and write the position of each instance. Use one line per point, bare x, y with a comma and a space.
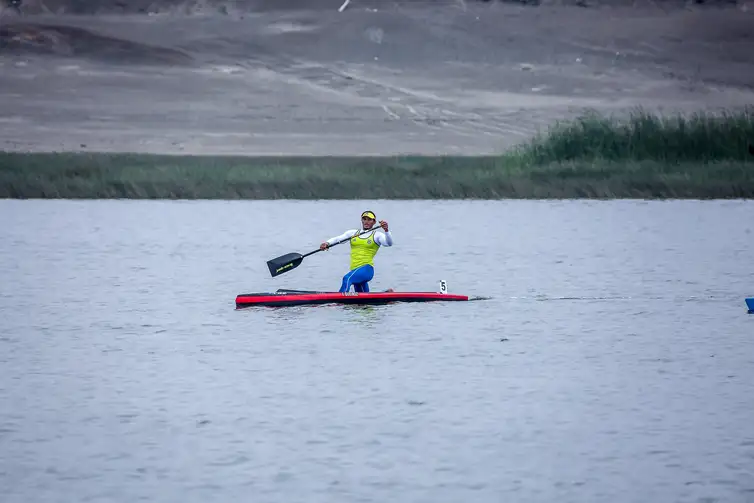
284, 263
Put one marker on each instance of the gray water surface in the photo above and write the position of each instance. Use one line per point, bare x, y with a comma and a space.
613, 362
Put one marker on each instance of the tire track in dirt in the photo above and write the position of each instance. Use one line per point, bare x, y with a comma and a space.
419, 107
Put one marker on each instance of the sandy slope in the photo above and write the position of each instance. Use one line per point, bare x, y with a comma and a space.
409, 77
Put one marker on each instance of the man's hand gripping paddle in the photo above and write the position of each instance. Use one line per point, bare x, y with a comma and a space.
290, 261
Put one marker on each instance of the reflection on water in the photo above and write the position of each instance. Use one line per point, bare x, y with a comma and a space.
365, 316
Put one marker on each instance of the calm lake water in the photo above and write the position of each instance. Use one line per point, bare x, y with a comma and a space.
614, 361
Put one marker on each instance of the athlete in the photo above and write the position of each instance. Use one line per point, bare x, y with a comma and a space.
363, 250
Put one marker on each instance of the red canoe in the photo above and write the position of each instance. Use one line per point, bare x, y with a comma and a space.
299, 297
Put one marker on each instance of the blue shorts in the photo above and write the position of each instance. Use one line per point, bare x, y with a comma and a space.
359, 278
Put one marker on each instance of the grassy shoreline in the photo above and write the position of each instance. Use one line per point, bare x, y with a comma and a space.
703, 156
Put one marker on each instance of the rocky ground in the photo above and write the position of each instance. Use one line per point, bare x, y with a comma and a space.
379, 77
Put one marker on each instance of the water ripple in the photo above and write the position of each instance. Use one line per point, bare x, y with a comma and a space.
611, 359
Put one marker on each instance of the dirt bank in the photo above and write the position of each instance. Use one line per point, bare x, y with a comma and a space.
301, 78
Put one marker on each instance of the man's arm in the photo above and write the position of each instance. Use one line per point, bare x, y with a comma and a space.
383, 238
348, 234
331, 241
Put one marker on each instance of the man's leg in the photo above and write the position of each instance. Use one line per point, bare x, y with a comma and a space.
359, 275
365, 275
361, 287
346, 283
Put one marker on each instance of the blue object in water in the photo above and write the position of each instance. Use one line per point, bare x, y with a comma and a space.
750, 305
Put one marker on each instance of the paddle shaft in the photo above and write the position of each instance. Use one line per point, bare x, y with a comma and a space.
367, 231
290, 261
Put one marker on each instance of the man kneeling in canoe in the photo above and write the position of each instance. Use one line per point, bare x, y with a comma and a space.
363, 250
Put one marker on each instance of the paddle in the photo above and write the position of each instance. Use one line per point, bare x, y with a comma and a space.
290, 261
